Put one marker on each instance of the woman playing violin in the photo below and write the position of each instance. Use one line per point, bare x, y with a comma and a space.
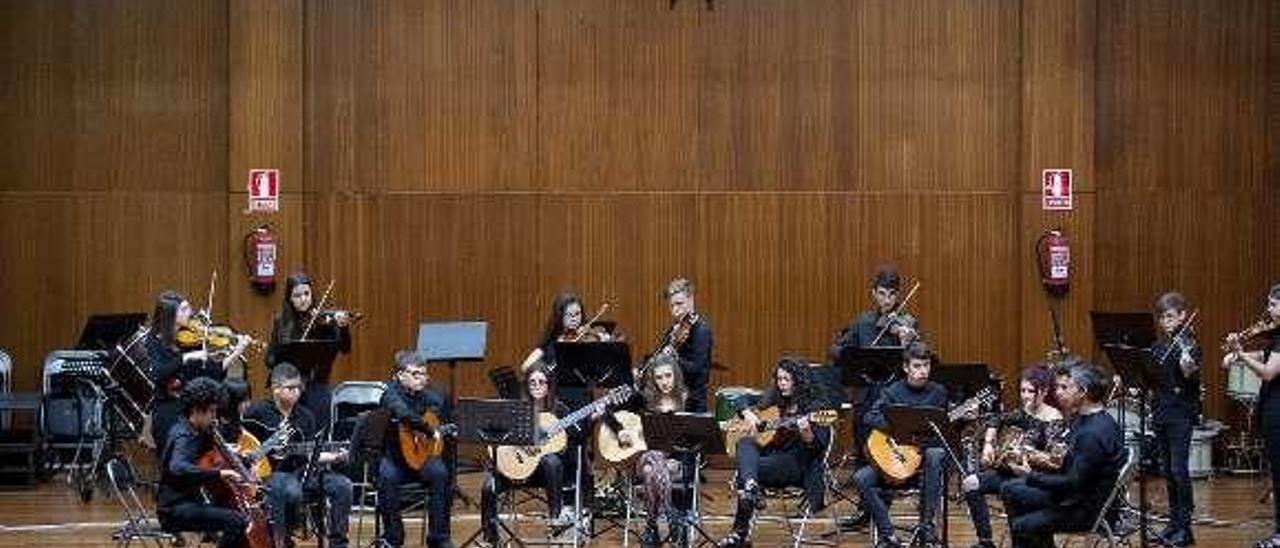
172, 365
1037, 422
297, 312
562, 325
1266, 364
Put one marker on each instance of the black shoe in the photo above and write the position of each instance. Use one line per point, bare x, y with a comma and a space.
858, 521
983, 543
888, 542
926, 536
1178, 538
677, 530
649, 538
736, 539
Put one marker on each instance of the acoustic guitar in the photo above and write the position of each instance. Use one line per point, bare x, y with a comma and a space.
898, 462
252, 451
609, 444
770, 423
519, 462
416, 447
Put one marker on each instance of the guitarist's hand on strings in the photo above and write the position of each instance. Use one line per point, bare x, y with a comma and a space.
230, 475
1020, 467
805, 428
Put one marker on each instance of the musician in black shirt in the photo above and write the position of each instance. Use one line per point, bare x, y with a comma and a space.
694, 352
181, 504
1266, 364
284, 486
916, 390
172, 366
408, 397
299, 310
1176, 410
1039, 424
1040, 503
793, 458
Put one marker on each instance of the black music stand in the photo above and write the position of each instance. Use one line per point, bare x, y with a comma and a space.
103, 331
313, 358
593, 364
453, 342
496, 422
964, 380
874, 365
915, 425
689, 433
1126, 339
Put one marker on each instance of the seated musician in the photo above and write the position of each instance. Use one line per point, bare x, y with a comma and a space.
793, 458
1040, 503
916, 390
408, 397
284, 487
181, 504
1035, 422
551, 469
662, 390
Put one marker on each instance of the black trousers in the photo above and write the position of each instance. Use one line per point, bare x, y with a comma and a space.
1035, 515
1173, 441
1271, 438
205, 518
549, 475
780, 468
989, 483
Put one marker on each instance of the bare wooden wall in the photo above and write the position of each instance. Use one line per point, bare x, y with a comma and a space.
447, 160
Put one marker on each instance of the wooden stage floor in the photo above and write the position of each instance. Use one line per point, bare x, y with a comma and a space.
1228, 509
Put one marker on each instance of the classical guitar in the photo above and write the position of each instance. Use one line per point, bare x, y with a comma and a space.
519, 462
898, 462
252, 451
417, 447
770, 423
609, 443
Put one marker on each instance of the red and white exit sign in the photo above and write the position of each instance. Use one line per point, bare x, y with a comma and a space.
264, 190
1057, 189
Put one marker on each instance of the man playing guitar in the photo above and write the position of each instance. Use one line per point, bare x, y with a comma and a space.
915, 390
284, 486
409, 399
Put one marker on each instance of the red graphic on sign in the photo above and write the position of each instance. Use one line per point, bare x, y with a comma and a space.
1057, 189
264, 190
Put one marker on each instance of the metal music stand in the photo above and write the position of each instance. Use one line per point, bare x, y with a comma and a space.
964, 380
1126, 338
916, 425
450, 343
496, 422
593, 364
313, 358
863, 366
691, 433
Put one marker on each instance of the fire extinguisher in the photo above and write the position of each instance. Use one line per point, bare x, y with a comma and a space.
1053, 253
260, 259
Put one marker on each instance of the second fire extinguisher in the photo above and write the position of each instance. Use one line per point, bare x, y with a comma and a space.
260, 259
1053, 254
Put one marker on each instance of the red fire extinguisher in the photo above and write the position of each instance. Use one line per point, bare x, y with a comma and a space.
260, 259
1053, 252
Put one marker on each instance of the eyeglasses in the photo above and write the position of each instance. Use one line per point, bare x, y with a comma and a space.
538, 381
416, 374
288, 387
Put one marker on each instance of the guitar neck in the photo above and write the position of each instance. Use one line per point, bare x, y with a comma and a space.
582, 413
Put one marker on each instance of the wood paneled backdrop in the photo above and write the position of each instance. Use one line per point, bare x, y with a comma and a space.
448, 159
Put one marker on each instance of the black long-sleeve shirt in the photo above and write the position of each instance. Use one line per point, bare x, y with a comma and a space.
319, 332
169, 372
180, 477
408, 407
860, 333
263, 418
1178, 395
694, 356
900, 392
1091, 465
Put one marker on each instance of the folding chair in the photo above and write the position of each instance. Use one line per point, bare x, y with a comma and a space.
138, 524
1105, 526
793, 502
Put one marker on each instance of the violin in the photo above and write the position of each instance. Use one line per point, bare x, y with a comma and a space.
1234, 340
218, 338
679, 332
590, 331
331, 315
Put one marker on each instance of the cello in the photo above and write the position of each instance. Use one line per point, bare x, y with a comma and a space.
244, 496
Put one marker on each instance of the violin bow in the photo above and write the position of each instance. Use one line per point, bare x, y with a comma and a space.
315, 311
895, 312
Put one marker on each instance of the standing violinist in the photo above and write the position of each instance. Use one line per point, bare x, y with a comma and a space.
1266, 364
689, 337
296, 313
1176, 408
563, 324
1037, 423
878, 327
172, 365
181, 504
